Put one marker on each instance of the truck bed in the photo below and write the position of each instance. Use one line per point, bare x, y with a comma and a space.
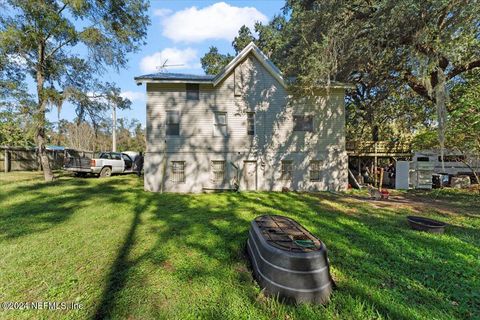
80, 164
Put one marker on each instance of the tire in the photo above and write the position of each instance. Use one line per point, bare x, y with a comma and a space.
106, 172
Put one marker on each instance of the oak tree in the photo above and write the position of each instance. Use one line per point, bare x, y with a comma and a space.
65, 47
423, 45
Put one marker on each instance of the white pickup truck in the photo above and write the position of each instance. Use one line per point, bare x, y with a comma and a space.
105, 165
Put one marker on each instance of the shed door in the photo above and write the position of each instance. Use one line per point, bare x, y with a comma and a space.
250, 175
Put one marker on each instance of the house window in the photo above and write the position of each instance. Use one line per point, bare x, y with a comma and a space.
173, 123
220, 124
251, 123
287, 168
178, 171
303, 123
193, 91
315, 170
218, 171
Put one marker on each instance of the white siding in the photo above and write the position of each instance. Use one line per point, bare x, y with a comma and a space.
249, 88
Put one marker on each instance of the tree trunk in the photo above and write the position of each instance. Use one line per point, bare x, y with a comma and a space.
40, 117
471, 169
42, 152
375, 133
440, 101
476, 176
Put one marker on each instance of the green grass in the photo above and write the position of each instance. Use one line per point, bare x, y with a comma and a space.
123, 253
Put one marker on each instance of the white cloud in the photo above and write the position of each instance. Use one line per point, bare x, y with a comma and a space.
162, 12
218, 21
133, 95
176, 59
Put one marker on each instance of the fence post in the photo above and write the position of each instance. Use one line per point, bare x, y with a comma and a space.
6, 161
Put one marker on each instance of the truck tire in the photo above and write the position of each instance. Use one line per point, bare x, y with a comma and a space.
106, 172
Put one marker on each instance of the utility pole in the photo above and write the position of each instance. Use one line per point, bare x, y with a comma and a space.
114, 129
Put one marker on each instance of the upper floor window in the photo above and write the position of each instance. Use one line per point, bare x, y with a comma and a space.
193, 91
251, 123
315, 170
178, 171
218, 171
287, 169
220, 125
173, 123
303, 123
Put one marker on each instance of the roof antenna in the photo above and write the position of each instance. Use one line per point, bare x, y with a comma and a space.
163, 67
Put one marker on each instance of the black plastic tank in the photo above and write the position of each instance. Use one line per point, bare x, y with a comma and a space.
288, 261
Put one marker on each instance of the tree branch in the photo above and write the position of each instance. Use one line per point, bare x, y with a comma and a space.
60, 46
459, 69
416, 86
69, 41
442, 19
443, 62
53, 29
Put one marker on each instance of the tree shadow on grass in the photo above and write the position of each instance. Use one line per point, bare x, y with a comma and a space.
401, 273
202, 229
117, 277
378, 260
424, 273
46, 205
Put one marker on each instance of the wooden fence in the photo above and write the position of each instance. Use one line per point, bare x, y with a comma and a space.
26, 159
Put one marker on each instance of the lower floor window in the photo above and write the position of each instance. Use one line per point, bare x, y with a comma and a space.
287, 168
315, 170
218, 171
178, 171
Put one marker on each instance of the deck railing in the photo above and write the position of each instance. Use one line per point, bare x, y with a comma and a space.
385, 147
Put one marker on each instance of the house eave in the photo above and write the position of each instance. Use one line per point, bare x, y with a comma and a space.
141, 81
250, 48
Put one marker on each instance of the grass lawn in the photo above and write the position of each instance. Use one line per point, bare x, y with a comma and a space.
123, 253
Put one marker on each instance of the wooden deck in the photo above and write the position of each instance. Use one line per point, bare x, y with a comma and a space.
379, 149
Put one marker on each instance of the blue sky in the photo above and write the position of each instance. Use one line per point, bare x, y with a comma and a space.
182, 31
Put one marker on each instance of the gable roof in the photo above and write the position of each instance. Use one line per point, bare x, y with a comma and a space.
267, 64
163, 77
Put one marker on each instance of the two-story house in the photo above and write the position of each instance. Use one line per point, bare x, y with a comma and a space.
242, 127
